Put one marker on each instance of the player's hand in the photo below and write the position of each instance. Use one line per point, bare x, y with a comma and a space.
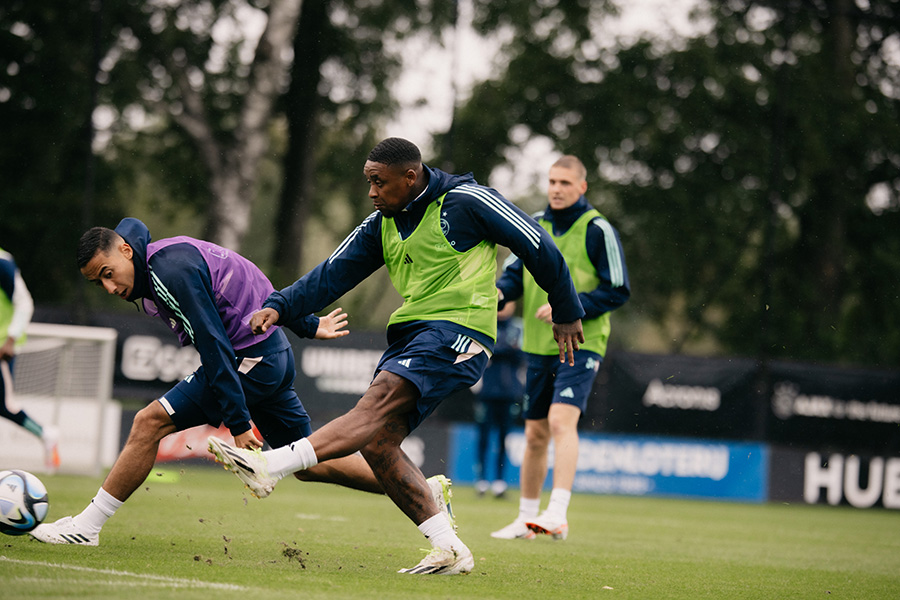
568, 336
247, 440
8, 349
544, 313
262, 320
332, 325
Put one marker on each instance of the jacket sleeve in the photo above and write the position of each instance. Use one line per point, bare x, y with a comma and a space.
357, 257
14, 288
306, 326
605, 251
182, 281
501, 222
23, 308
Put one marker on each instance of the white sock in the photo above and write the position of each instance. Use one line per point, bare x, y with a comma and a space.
528, 508
559, 502
296, 456
439, 532
95, 515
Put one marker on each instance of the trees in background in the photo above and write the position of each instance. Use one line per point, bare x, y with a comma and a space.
197, 102
169, 103
347, 54
47, 62
753, 170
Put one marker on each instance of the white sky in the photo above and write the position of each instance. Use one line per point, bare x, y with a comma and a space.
427, 110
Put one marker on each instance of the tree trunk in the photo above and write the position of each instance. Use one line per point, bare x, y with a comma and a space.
229, 215
233, 163
301, 109
835, 191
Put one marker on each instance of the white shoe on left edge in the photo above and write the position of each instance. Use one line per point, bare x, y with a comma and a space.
64, 531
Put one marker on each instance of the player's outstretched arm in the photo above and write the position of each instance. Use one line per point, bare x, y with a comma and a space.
331, 326
568, 336
262, 320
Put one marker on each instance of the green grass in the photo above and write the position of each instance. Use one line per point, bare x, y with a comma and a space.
202, 538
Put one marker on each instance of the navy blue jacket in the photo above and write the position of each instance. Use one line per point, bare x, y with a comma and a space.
7, 277
603, 245
205, 309
473, 213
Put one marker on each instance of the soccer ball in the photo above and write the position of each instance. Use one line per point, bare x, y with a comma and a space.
23, 502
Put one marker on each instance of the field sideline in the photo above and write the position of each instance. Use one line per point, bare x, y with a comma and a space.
203, 537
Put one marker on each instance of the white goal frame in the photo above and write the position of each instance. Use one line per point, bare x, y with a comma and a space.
63, 377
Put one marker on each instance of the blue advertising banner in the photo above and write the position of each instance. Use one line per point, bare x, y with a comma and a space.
638, 465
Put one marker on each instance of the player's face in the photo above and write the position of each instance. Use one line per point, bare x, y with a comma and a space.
390, 187
114, 272
565, 187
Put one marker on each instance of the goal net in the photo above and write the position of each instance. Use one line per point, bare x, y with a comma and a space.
63, 378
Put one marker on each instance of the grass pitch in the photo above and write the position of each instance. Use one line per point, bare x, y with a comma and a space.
202, 537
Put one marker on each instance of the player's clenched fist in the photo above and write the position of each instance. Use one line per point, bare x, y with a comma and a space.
262, 320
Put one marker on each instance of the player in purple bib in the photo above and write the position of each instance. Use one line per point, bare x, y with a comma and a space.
206, 294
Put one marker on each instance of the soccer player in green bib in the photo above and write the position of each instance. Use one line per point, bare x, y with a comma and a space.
16, 309
556, 394
437, 235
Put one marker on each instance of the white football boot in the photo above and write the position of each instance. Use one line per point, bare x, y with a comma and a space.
444, 562
64, 531
250, 466
517, 530
548, 523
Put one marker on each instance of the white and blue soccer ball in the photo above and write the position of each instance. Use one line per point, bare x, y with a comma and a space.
23, 502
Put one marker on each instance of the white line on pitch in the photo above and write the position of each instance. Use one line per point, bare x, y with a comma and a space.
161, 579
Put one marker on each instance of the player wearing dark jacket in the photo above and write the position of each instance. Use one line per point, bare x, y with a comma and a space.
16, 309
437, 234
206, 294
556, 395
470, 214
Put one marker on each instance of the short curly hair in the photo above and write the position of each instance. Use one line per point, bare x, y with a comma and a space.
396, 152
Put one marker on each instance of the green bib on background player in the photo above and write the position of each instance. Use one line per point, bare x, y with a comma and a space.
6, 315
437, 282
538, 334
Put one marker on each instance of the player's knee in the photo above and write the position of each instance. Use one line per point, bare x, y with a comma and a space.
563, 420
149, 423
537, 438
558, 427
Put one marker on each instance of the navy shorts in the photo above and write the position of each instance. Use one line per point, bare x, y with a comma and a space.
549, 381
268, 384
438, 362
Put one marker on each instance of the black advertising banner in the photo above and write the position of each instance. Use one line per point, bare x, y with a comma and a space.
332, 375
676, 395
800, 405
817, 477
852, 410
